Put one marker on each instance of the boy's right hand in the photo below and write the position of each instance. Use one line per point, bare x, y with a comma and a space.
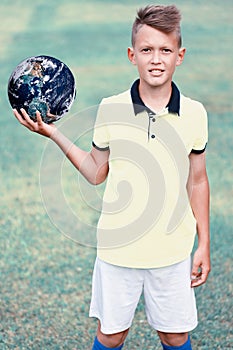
39, 126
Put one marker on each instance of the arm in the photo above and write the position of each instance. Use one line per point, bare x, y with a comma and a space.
92, 165
198, 188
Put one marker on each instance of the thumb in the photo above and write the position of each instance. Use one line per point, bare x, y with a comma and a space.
195, 270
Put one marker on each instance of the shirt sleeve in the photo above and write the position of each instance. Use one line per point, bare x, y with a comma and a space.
101, 133
201, 128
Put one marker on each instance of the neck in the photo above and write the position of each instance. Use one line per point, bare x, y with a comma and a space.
156, 97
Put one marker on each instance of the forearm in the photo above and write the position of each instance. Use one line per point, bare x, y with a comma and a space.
92, 165
199, 199
83, 161
198, 189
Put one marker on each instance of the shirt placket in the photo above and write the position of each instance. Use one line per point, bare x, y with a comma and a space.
151, 125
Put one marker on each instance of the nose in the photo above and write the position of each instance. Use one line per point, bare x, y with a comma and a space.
156, 58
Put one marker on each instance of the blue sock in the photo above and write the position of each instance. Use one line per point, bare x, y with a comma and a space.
98, 346
185, 346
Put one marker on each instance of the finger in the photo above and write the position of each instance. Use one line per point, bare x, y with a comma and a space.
197, 282
18, 116
200, 278
26, 116
39, 118
195, 275
205, 274
195, 271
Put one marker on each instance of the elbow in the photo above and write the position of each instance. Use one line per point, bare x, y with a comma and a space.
96, 183
201, 181
97, 180
100, 176
198, 178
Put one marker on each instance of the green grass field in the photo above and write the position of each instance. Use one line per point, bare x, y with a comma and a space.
45, 277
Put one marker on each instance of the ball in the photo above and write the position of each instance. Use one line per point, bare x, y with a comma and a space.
44, 84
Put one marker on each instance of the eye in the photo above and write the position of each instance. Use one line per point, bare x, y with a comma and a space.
166, 50
146, 49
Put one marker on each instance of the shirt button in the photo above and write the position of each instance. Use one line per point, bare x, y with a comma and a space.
152, 136
153, 120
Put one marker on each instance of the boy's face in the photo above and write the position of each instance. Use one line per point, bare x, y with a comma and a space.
156, 55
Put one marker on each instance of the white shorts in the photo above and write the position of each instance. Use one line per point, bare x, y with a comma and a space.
169, 299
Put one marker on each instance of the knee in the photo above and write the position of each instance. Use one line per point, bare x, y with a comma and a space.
112, 340
173, 339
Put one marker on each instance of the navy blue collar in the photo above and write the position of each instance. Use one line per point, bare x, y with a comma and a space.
139, 106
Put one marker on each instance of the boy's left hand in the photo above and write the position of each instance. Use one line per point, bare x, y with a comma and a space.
201, 267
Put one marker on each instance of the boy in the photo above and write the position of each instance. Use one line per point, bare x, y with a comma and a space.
155, 119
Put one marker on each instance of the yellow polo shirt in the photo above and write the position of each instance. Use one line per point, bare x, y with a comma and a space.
146, 219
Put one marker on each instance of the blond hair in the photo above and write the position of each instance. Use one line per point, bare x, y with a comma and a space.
164, 18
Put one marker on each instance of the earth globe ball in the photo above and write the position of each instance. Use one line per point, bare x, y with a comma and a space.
44, 84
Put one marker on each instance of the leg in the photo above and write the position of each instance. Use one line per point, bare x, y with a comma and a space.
170, 304
115, 294
175, 341
111, 340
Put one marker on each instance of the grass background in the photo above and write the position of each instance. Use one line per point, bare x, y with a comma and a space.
45, 277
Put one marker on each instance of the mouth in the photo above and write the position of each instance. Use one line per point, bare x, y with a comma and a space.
156, 71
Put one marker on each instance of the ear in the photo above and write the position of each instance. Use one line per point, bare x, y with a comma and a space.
180, 57
131, 55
